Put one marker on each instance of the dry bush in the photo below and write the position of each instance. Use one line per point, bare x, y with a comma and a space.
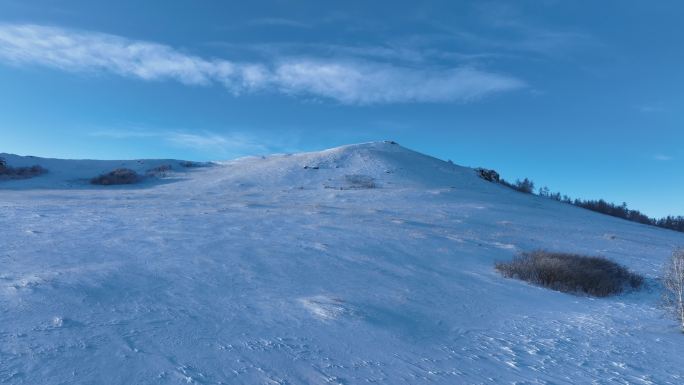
357, 181
8, 172
191, 164
571, 273
159, 171
118, 176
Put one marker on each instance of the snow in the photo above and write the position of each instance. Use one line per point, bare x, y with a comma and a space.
367, 263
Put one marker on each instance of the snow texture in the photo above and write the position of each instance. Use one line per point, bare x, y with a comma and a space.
362, 264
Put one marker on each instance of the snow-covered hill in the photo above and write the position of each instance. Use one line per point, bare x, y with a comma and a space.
367, 263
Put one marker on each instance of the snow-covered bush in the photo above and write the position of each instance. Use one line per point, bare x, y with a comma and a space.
118, 176
673, 280
571, 273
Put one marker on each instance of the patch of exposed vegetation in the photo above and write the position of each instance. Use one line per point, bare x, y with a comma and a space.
191, 164
487, 174
117, 177
357, 181
159, 171
8, 172
571, 273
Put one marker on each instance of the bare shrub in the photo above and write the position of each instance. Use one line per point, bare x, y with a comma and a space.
29, 172
357, 181
118, 176
673, 280
159, 171
191, 164
8, 172
571, 273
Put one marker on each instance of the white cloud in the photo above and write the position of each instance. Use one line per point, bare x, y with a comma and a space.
347, 81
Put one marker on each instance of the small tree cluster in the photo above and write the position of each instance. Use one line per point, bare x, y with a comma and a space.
598, 205
671, 222
526, 186
556, 196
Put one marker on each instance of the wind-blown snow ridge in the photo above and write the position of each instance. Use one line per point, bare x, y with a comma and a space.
363, 263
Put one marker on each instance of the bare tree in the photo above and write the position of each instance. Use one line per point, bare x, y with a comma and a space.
673, 280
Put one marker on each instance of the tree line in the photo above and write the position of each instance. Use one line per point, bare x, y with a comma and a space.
602, 206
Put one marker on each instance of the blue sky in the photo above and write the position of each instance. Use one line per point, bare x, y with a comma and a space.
582, 96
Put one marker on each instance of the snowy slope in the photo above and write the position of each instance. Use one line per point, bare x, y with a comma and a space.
290, 269
77, 173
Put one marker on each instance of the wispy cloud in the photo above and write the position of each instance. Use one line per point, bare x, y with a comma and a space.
88, 51
346, 81
650, 108
662, 157
278, 22
504, 27
124, 133
413, 51
232, 143
365, 83
228, 145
